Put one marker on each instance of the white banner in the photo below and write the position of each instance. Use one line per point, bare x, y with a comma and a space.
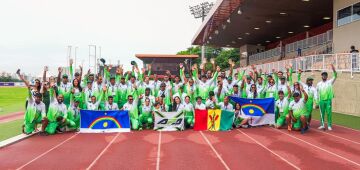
169, 121
267, 119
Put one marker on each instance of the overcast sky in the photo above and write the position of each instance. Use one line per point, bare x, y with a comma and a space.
35, 33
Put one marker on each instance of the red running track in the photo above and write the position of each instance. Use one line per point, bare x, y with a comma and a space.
255, 148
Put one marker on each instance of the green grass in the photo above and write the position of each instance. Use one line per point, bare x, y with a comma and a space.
10, 129
340, 119
12, 99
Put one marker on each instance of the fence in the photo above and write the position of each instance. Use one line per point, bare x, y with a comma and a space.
343, 62
266, 54
310, 42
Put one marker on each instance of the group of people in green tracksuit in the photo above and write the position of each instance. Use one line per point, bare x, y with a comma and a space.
55, 103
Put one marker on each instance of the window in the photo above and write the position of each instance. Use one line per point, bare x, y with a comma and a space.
344, 16
356, 12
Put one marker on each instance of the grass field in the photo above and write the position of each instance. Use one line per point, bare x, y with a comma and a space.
10, 129
12, 99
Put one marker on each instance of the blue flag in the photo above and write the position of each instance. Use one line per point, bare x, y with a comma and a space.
259, 111
104, 121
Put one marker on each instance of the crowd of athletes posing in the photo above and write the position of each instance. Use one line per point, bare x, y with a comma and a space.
55, 103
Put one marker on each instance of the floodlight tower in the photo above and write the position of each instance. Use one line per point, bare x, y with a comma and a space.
201, 11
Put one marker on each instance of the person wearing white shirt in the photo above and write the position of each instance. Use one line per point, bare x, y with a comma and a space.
226, 105
110, 105
199, 105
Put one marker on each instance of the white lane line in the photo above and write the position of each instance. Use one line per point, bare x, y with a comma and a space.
338, 137
318, 147
158, 153
291, 164
21, 167
217, 154
338, 126
102, 152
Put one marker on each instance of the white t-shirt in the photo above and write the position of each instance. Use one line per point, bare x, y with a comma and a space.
228, 107
112, 106
200, 106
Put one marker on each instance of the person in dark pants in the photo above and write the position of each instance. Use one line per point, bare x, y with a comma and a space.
354, 57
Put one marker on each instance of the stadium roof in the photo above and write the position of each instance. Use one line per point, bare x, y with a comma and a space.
234, 23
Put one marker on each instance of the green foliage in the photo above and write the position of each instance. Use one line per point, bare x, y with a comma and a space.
221, 55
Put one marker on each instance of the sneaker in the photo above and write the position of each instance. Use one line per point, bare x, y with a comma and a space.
307, 128
43, 134
302, 130
58, 130
329, 128
321, 128
244, 126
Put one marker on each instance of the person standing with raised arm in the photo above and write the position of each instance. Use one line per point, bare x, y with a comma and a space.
325, 95
204, 84
64, 86
311, 92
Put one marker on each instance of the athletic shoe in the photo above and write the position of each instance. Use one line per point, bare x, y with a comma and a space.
321, 128
58, 130
302, 130
244, 126
306, 127
43, 134
329, 128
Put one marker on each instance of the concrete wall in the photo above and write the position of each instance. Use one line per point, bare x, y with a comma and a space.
347, 92
346, 35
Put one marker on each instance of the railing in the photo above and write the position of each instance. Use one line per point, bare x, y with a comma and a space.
310, 42
343, 62
265, 55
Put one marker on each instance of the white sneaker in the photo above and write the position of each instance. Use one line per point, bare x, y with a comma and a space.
329, 128
321, 128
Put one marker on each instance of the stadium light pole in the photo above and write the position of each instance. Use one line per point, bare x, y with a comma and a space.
201, 11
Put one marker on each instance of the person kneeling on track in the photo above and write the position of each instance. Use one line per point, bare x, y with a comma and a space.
282, 108
73, 114
298, 112
55, 119
146, 114
35, 113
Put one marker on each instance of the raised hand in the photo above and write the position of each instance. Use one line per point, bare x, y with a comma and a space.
81, 68
181, 65
46, 68
332, 67
60, 70
201, 66
143, 70
212, 60
88, 72
18, 71
149, 67
71, 61
218, 69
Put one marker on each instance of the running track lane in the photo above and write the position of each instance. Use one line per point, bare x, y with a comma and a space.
135, 150
350, 134
344, 149
78, 153
20, 153
296, 151
187, 149
240, 152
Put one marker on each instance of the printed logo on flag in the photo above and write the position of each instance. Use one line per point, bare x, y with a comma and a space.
169, 121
